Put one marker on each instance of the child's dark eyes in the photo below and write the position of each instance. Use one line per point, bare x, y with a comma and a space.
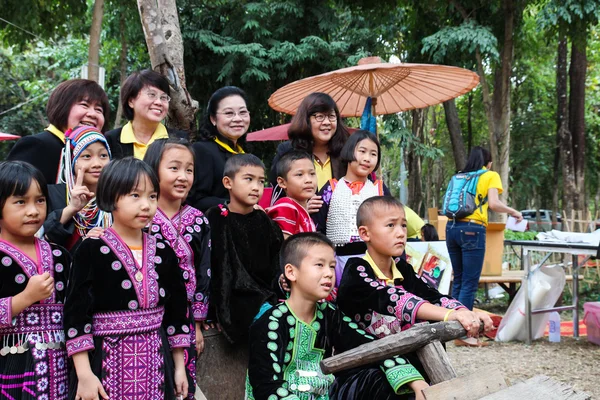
20, 202
41, 200
153, 196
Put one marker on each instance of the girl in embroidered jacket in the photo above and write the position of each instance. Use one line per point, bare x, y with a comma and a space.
337, 217
32, 291
187, 231
75, 213
126, 301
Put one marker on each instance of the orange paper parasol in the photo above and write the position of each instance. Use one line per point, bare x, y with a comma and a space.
394, 87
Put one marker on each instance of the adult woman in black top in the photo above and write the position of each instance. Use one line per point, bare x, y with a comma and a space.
317, 128
72, 103
145, 100
223, 129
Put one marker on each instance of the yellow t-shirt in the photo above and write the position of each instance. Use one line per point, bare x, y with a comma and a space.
139, 148
488, 180
380, 275
323, 172
414, 223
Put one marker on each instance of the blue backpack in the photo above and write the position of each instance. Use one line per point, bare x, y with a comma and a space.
461, 199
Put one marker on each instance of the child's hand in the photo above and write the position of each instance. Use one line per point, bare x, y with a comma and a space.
39, 287
181, 383
95, 233
259, 208
314, 204
89, 387
80, 195
468, 319
199, 339
283, 284
488, 324
417, 386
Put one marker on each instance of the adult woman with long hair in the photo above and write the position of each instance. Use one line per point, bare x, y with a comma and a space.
222, 135
465, 237
72, 103
145, 98
317, 128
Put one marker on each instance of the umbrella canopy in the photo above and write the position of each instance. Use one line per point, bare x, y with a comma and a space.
8, 136
279, 132
393, 87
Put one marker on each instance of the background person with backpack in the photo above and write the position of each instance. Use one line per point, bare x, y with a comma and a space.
466, 203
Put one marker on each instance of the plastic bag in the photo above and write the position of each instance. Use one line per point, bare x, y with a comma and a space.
547, 284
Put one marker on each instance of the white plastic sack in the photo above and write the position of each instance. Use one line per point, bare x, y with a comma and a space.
547, 284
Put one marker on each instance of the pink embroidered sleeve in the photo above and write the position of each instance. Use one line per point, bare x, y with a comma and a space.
6, 312
79, 344
176, 341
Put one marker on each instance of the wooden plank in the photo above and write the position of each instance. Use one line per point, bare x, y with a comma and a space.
539, 387
470, 387
397, 344
436, 363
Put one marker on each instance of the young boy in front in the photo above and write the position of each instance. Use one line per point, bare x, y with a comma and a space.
388, 297
297, 176
289, 340
244, 252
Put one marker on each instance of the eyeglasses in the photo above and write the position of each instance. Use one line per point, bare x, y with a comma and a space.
231, 114
321, 117
164, 98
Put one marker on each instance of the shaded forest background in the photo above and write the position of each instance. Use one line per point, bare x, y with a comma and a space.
536, 107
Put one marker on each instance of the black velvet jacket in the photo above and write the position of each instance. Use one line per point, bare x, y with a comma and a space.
42, 150
245, 268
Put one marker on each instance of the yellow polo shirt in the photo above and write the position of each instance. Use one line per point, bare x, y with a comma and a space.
139, 148
414, 223
487, 180
56, 132
323, 172
380, 275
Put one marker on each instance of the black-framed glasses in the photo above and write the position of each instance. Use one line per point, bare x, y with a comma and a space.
321, 117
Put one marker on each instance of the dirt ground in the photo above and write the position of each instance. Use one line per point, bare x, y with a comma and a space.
575, 362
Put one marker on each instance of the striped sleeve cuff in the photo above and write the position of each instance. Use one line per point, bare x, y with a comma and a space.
400, 374
79, 344
6, 312
176, 341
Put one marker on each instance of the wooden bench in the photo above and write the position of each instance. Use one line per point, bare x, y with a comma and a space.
509, 280
425, 340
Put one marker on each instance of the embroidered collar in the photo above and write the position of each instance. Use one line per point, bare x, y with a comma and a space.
380, 275
227, 147
56, 132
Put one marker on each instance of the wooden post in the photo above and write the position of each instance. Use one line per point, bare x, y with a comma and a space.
397, 344
436, 363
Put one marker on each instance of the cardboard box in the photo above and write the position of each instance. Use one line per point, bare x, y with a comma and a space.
439, 221
494, 248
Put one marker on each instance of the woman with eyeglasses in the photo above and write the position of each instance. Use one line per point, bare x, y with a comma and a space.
145, 100
222, 134
317, 128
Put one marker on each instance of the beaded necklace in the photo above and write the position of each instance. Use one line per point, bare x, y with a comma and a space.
90, 216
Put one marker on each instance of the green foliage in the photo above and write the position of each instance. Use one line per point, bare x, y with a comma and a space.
466, 38
512, 235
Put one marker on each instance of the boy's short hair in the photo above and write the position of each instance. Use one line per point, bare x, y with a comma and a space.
285, 162
156, 150
119, 178
15, 180
365, 211
236, 162
296, 247
347, 154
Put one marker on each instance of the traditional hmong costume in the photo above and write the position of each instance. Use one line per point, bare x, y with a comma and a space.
33, 360
383, 306
245, 267
337, 217
120, 304
286, 352
291, 217
188, 233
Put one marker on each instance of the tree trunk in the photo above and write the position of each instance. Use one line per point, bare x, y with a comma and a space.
160, 21
413, 161
94, 51
458, 145
470, 123
577, 73
123, 67
562, 126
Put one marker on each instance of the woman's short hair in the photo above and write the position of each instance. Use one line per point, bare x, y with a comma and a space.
119, 178
69, 93
478, 158
156, 150
207, 130
347, 154
135, 83
15, 179
300, 132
